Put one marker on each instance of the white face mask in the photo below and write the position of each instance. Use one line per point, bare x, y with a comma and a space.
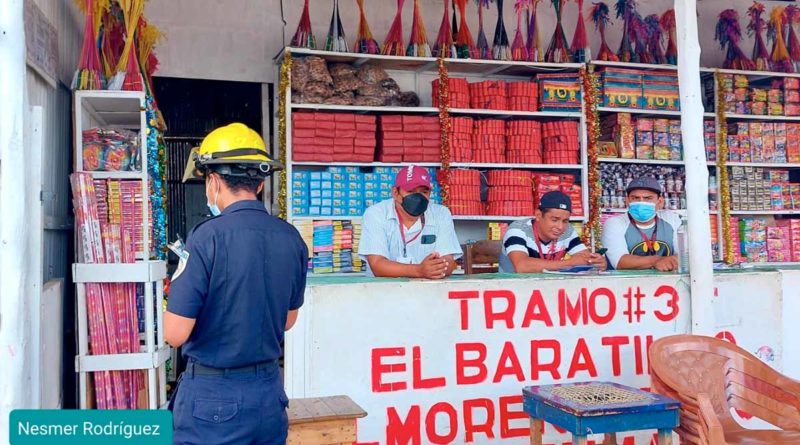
215, 211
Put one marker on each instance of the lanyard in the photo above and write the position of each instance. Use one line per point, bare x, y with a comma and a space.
651, 245
551, 255
403, 234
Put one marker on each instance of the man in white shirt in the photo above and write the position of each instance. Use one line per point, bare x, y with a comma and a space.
407, 236
534, 244
645, 237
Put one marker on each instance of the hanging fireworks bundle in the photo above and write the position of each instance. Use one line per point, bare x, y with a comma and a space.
779, 58
482, 44
113, 39
535, 52
128, 75
336, 40
393, 43
558, 51
365, 44
88, 76
445, 45
638, 30
626, 10
792, 16
500, 48
304, 36
600, 17
418, 42
756, 27
518, 49
465, 44
668, 24
728, 33
580, 43
654, 36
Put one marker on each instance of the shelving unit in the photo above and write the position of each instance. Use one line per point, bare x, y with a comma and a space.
416, 74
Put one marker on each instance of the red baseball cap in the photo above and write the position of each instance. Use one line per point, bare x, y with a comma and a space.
411, 177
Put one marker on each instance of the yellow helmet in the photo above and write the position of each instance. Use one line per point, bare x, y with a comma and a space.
234, 149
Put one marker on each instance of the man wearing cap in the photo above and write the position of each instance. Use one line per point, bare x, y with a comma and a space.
407, 236
646, 236
535, 244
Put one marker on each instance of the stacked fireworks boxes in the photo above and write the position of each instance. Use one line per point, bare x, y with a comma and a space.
559, 92
334, 247
791, 232
754, 189
510, 193
409, 139
760, 141
496, 231
660, 91
622, 88
618, 127
735, 93
548, 182
465, 192
658, 139
791, 96
753, 236
338, 191
710, 139
333, 137
378, 185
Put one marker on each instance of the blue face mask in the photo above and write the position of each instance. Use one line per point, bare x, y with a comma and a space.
642, 211
215, 211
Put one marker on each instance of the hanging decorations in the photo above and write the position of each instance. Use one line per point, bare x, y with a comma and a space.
728, 33
792, 16
482, 45
365, 44
156, 167
304, 36
638, 30
668, 24
89, 74
518, 49
580, 43
779, 58
284, 86
393, 43
465, 44
443, 176
127, 76
591, 88
558, 51
654, 36
535, 51
722, 168
600, 18
500, 47
756, 28
445, 45
113, 39
418, 42
336, 40
626, 10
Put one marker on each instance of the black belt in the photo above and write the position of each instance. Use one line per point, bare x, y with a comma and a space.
195, 368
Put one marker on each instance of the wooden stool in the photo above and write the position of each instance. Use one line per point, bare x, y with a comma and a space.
597, 408
323, 421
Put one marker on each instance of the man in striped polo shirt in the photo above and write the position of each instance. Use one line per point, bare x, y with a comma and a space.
535, 244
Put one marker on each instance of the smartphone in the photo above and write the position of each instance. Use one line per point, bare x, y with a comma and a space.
602, 251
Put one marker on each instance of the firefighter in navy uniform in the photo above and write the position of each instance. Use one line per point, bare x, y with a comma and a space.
237, 288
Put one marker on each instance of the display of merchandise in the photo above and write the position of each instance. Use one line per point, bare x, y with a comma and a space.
616, 177
652, 139
333, 137
332, 245
104, 236
567, 183
759, 189
345, 191
524, 142
771, 142
409, 139
496, 231
314, 81
560, 142
111, 150
769, 96
559, 92
489, 95
489, 141
710, 139
640, 89
465, 192
715, 240
510, 193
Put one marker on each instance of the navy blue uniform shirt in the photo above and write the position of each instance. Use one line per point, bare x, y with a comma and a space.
246, 269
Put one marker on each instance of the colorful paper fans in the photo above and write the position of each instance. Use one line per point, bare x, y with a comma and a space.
668, 24
756, 28
336, 40
728, 33
500, 48
393, 43
580, 43
365, 44
558, 51
445, 45
418, 42
600, 18
304, 36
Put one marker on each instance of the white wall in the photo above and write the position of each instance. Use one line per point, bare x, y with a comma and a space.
237, 39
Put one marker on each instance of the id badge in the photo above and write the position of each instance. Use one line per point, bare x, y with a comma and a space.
404, 260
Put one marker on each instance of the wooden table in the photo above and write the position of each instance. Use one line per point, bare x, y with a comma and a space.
599, 408
323, 421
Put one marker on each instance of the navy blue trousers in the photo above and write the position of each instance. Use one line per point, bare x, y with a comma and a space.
243, 408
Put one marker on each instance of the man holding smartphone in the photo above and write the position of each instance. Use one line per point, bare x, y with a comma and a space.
407, 236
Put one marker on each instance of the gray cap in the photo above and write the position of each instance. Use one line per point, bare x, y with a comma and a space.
645, 183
